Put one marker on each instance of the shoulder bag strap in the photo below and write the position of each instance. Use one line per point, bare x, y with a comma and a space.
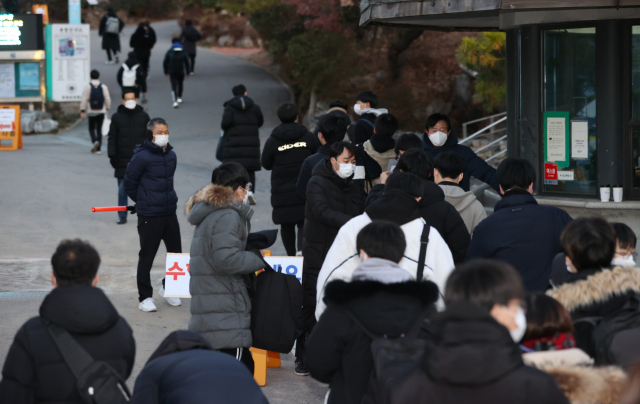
358, 323
422, 318
73, 353
424, 241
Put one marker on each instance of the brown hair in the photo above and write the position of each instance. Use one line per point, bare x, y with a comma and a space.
546, 317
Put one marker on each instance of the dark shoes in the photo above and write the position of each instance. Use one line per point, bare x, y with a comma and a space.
301, 369
122, 220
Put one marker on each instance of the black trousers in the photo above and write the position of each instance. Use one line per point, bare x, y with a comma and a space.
252, 180
95, 128
241, 354
193, 62
153, 230
177, 84
309, 315
144, 62
109, 50
288, 234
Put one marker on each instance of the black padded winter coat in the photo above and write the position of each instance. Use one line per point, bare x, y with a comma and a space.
331, 202
241, 122
128, 129
284, 152
34, 370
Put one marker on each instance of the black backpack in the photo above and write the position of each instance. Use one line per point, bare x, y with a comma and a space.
608, 349
276, 311
176, 64
96, 97
97, 382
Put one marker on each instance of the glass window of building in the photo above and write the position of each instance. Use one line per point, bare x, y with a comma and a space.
569, 136
635, 104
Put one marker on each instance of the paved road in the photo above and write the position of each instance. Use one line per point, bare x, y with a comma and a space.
49, 187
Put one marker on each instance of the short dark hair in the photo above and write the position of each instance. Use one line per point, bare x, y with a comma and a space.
287, 113
382, 239
75, 262
546, 317
188, 22
152, 123
485, 283
515, 173
625, 236
338, 104
386, 125
231, 174
590, 242
368, 97
408, 141
240, 89
449, 164
132, 55
129, 90
338, 147
333, 128
416, 162
406, 182
175, 38
95, 75
433, 119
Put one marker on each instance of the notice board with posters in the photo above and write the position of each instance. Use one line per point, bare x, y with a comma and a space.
556, 138
178, 275
68, 61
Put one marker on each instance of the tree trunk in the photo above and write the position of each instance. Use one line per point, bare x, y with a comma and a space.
405, 39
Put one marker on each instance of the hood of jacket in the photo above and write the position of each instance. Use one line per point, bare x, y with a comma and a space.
325, 169
381, 270
381, 146
211, 198
598, 288
130, 62
176, 46
514, 198
432, 193
588, 384
124, 110
374, 111
458, 197
79, 309
152, 147
383, 308
180, 340
289, 131
472, 348
241, 103
396, 206
325, 149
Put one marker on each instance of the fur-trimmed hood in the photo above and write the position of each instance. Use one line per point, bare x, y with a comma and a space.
589, 385
211, 198
598, 289
341, 292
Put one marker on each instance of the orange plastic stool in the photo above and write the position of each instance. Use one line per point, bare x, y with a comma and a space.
262, 360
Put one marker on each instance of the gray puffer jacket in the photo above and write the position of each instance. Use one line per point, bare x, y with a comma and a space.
220, 305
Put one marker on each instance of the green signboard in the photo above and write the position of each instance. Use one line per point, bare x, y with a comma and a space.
557, 138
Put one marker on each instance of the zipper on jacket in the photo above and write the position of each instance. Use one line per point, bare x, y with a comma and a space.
166, 178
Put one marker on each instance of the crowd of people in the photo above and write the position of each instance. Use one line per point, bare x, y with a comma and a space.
403, 270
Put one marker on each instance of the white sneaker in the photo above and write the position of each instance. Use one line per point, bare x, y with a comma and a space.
175, 104
173, 301
147, 305
98, 152
299, 254
179, 100
252, 198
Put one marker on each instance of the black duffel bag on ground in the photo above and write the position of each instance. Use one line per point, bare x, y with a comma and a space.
276, 311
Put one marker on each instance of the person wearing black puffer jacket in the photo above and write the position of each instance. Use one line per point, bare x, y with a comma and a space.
241, 122
128, 129
332, 200
439, 213
34, 370
284, 152
149, 183
381, 295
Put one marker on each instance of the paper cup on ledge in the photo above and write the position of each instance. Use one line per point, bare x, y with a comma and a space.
617, 194
605, 194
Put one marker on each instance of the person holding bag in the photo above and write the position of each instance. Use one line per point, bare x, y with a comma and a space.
220, 304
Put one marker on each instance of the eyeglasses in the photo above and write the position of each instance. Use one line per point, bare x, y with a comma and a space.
624, 254
249, 186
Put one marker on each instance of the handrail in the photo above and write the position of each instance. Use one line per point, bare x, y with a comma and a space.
485, 118
482, 130
496, 155
491, 144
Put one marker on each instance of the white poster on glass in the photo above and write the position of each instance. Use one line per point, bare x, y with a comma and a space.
556, 139
7, 80
579, 140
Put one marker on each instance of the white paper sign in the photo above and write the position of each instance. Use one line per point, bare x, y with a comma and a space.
71, 64
7, 115
565, 176
556, 139
7, 80
579, 139
178, 275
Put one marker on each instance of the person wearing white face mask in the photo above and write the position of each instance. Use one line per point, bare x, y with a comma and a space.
332, 200
625, 246
366, 107
475, 356
149, 183
438, 137
128, 129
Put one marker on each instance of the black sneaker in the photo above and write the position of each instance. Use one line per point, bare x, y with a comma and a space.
122, 220
301, 369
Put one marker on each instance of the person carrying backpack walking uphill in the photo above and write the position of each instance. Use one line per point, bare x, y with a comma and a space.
382, 301
176, 67
189, 37
95, 103
110, 28
133, 77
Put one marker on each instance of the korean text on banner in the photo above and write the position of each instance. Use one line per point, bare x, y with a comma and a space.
556, 138
178, 275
